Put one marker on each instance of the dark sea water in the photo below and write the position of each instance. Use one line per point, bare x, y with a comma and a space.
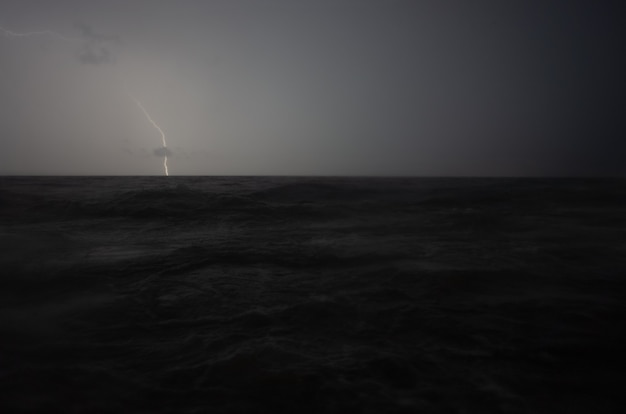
312, 295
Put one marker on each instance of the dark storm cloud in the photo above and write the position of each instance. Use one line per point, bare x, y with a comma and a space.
97, 48
162, 152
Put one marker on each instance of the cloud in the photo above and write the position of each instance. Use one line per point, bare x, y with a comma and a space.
94, 55
162, 152
97, 47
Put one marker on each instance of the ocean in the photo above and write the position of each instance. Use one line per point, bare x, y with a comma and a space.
312, 295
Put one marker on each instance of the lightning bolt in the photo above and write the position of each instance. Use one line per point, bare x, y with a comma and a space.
42, 33
154, 124
76, 40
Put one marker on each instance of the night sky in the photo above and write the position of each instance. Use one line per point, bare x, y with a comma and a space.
268, 87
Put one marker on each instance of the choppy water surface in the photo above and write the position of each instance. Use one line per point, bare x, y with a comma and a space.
329, 295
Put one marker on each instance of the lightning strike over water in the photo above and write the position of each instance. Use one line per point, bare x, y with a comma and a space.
77, 40
159, 129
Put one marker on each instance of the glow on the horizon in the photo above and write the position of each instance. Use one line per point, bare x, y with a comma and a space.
73, 39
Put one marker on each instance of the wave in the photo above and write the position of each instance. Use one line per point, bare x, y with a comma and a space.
253, 295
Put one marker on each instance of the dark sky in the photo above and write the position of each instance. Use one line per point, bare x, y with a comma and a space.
389, 87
